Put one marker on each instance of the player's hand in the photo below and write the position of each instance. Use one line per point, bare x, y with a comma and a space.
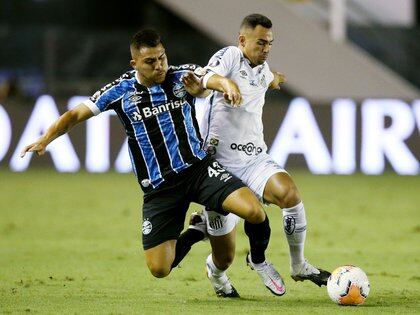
231, 93
279, 79
192, 84
37, 147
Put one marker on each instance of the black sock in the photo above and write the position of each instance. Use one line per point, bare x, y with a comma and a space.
184, 243
259, 236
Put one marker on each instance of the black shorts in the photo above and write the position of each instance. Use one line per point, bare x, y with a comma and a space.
164, 208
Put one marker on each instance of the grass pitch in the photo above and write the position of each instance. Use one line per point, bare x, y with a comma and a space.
70, 243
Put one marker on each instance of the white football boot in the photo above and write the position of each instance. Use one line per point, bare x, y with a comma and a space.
269, 276
308, 272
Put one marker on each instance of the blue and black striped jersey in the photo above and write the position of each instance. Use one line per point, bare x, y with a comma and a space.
163, 133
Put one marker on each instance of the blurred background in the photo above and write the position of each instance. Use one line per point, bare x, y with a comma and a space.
351, 103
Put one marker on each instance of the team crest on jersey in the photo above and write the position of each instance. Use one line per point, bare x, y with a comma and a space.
179, 90
146, 227
243, 74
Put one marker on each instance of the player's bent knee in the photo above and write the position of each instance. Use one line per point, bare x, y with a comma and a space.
245, 204
159, 271
225, 261
291, 198
224, 265
256, 214
286, 197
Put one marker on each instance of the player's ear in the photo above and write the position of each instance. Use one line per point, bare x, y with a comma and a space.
241, 40
133, 63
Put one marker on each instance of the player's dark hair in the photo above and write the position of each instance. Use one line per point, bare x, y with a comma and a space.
253, 20
145, 38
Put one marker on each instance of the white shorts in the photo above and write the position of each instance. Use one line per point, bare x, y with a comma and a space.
255, 175
219, 224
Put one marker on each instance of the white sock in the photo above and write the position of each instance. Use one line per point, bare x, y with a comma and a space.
294, 220
216, 272
257, 266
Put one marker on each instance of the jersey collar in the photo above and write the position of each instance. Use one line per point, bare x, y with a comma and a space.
137, 78
257, 68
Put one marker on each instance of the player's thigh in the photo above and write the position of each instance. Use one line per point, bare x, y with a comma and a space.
212, 184
218, 189
257, 172
244, 204
163, 218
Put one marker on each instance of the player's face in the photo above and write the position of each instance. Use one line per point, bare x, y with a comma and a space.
151, 64
256, 43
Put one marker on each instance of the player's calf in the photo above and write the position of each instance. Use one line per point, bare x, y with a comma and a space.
196, 232
282, 191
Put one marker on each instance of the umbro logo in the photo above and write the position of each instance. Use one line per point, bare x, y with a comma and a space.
253, 83
135, 97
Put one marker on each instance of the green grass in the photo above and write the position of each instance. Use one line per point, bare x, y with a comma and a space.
70, 243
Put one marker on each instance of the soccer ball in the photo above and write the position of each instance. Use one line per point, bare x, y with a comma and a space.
348, 285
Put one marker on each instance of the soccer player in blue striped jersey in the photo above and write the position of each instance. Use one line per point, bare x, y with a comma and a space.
155, 104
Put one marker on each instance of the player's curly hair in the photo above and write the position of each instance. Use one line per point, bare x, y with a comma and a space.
145, 38
252, 20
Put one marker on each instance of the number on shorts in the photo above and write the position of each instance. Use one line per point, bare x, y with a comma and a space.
216, 170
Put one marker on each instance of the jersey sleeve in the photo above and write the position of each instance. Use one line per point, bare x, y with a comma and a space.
196, 69
222, 62
270, 75
103, 99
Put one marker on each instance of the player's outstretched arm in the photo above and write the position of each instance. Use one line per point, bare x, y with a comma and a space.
194, 85
62, 125
278, 80
228, 87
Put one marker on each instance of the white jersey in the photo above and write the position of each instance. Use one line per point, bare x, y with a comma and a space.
235, 135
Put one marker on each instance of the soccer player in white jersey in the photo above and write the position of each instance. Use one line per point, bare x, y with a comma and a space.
235, 137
